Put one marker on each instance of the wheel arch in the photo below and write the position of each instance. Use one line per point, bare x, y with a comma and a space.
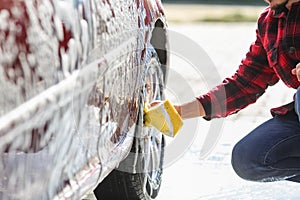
160, 41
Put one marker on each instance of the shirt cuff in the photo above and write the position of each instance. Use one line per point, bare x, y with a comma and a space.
206, 103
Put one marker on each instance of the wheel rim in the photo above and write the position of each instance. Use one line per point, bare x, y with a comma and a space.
153, 142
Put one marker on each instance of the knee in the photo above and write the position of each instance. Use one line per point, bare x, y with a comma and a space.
241, 162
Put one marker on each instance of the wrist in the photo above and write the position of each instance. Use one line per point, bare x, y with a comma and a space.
191, 110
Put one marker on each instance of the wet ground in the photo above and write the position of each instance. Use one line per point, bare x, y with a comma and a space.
195, 177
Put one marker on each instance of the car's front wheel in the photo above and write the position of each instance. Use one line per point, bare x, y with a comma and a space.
139, 176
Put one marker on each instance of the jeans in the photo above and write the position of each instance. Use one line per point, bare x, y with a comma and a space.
271, 152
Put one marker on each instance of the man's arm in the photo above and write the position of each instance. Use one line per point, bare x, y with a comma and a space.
235, 93
191, 109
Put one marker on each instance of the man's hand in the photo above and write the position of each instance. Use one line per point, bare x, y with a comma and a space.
188, 110
296, 71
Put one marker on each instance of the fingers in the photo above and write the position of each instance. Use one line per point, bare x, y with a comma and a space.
154, 103
296, 71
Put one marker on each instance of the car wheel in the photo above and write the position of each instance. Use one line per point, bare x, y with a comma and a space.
139, 176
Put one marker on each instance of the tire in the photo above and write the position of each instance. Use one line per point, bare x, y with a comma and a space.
120, 185
139, 176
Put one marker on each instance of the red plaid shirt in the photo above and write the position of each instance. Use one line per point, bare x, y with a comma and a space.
271, 57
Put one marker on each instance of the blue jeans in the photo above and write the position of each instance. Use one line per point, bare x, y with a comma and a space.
271, 152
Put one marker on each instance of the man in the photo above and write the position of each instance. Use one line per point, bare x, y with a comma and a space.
272, 150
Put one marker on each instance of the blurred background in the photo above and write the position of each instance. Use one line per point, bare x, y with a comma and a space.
239, 2
213, 10
222, 31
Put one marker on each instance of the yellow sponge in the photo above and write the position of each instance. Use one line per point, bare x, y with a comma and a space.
164, 117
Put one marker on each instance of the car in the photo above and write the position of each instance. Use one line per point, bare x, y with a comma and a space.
76, 76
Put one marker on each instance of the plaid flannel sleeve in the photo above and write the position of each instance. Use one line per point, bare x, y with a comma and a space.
248, 83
